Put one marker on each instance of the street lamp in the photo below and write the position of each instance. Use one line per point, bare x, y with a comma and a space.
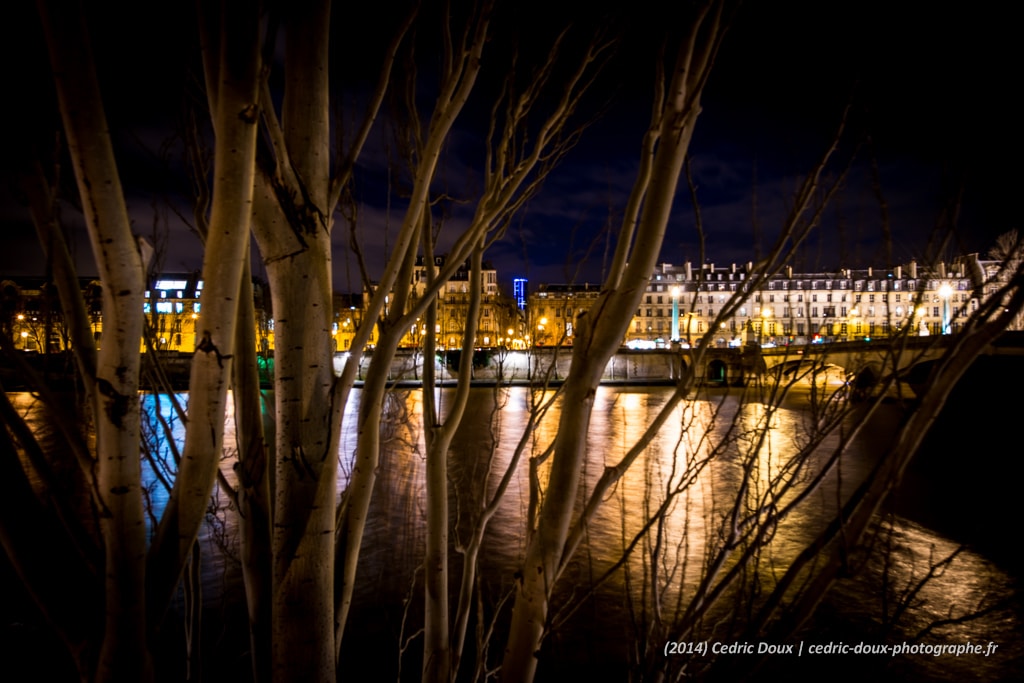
945, 292
675, 314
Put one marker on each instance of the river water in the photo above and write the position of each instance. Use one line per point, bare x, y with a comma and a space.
709, 449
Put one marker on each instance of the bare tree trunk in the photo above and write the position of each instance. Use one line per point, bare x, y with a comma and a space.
600, 331
124, 655
305, 470
462, 62
437, 651
235, 118
305, 467
253, 483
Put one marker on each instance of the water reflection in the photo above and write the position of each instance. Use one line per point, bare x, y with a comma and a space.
711, 469
708, 451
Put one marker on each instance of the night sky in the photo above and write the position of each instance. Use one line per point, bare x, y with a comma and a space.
933, 107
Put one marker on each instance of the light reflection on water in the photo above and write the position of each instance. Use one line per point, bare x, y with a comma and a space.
696, 459
693, 522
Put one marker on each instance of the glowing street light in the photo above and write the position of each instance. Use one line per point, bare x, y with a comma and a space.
945, 292
675, 314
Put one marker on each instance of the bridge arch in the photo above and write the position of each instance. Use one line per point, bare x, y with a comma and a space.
716, 371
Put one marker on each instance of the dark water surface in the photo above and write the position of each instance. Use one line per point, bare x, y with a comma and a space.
955, 501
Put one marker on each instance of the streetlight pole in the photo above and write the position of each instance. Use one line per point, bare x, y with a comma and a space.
945, 292
675, 314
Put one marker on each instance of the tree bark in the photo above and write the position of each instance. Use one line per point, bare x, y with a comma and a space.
253, 483
124, 655
235, 118
600, 332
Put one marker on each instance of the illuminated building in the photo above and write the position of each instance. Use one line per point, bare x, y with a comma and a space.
553, 310
519, 292
497, 313
681, 303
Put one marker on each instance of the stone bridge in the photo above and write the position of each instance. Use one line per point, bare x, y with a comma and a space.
865, 363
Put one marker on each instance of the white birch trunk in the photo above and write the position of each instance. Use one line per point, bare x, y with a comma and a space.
463, 67
437, 649
305, 467
600, 331
123, 655
253, 484
235, 118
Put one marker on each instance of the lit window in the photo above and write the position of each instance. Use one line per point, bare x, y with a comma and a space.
171, 284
